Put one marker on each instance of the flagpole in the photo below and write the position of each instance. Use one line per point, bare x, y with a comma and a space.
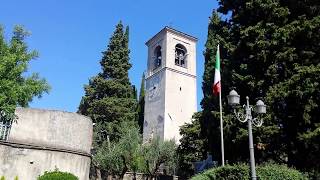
220, 104
221, 129
217, 89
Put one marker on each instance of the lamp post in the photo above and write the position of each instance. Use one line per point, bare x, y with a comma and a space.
260, 108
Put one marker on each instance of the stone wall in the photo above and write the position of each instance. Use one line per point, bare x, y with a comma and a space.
42, 140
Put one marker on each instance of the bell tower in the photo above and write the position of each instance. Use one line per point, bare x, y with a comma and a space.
171, 97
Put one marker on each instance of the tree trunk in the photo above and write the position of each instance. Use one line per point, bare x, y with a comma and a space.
125, 168
98, 172
134, 176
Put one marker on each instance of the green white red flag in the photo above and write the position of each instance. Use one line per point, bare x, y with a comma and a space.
217, 78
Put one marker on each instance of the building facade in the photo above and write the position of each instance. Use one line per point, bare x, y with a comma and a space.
170, 98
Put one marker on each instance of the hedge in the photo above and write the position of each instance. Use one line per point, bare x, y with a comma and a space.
275, 172
57, 175
235, 172
241, 172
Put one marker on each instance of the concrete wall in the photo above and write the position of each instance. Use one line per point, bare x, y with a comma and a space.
42, 140
28, 164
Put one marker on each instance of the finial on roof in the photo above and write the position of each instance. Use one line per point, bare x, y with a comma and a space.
170, 24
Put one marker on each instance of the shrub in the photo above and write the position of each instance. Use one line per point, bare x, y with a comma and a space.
235, 172
275, 172
313, 174
57, 175
241, 172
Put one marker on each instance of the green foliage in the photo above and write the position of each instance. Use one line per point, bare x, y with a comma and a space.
16, 88
110, 101
235, 172
268, 49
241, 172
2, 178
107, 157
122, 155
128, 154
16, 178
300, 111
57, 175
313, 174
140, 107
157, 152
109, 97
191, 147
218, 33
275, 172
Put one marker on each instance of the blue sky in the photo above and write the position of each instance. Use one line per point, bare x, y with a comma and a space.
70, 36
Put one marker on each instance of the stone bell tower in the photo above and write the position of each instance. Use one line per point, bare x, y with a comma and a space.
171, 97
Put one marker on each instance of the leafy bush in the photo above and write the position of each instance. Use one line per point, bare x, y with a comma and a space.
241, 172
313, 174
235, 172
57, 175
275, 172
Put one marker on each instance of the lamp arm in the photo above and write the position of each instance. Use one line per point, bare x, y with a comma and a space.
240, 116
257, 122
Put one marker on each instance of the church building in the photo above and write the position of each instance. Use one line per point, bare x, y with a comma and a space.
171, 97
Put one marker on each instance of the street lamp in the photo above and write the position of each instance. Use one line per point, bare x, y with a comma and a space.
260, 108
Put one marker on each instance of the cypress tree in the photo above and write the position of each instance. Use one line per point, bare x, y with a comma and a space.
218, 33
140, 107
109, 96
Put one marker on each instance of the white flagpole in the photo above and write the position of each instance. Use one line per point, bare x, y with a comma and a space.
221, 122
221, 130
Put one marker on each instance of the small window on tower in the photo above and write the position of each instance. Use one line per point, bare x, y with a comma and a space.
157, 57
180, 55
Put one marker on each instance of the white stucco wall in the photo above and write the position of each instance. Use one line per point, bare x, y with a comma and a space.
28, 164
53, 128
42, 140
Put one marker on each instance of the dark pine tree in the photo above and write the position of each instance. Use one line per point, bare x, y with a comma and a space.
109, 97
218, 33
269, 49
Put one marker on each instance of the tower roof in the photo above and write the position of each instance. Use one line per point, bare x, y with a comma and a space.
174, 31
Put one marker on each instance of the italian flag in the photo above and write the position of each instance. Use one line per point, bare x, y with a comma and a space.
217, 78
